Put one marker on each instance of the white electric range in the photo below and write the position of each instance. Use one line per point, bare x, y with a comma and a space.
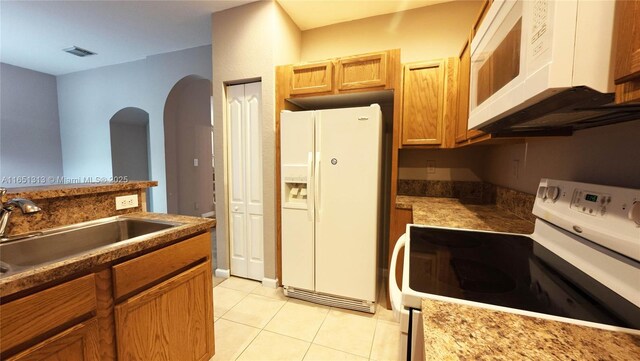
580, 265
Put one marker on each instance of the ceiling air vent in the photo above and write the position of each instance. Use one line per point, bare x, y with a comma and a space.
79, 51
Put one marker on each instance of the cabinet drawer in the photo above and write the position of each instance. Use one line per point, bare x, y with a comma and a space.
312, 78
132, 275
27, 318
359, 72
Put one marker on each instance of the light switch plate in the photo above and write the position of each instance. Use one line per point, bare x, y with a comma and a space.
124, 202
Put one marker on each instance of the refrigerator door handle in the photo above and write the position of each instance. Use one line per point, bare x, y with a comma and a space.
316, 188
310, 192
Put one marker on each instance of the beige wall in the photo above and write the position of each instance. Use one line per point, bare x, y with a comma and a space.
245, 41
288, 36
422, 34
464, 164
607, 155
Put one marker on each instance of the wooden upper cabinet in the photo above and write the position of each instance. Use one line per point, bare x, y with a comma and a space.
462, 134
362, 72
422, 106
463, 93
484, 9
627, 57
359, 73
312, 78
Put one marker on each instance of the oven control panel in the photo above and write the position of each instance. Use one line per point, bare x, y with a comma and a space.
606, 215
590, 202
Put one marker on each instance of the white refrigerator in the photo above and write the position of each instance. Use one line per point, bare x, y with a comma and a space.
331, 164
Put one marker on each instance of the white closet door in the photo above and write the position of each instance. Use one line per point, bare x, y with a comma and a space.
245, 180
237, 164
253, 180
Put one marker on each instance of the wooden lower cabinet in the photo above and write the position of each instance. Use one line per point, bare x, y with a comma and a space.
77, 343
170, 321
163, 311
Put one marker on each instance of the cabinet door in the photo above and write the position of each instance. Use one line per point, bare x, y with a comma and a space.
362, 72
77, 343
245, 180
423, 103
462, 121
627, 61
312, 78
463, 93
171, 321
484, 9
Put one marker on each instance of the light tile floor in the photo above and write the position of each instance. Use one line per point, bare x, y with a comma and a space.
258, 323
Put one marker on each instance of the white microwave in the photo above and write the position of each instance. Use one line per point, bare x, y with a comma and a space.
529, 51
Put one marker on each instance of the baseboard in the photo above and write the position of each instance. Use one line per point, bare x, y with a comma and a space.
208, 214
270, 282
222, 273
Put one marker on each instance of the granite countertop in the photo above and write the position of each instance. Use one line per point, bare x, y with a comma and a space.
461, 332
59, 269
75, 189
450, 212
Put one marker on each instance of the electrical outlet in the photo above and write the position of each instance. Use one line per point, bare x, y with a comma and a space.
124, 202
514, 168
431, 167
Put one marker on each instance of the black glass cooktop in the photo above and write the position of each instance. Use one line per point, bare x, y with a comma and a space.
511, 271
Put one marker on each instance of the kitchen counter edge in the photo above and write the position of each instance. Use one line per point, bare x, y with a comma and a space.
77, 264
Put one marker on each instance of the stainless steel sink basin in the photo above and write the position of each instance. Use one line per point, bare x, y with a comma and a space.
71, 240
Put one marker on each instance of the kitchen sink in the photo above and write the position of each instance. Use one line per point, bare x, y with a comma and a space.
63, 242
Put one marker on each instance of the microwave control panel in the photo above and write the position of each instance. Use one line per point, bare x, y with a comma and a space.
539, 27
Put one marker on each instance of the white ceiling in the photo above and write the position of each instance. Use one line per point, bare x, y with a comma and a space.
310, 14
33, 33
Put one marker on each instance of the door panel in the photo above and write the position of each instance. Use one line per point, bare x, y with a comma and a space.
245, 183
237, 164
256, 251
349, 181
253, 179
238, 245
254, 150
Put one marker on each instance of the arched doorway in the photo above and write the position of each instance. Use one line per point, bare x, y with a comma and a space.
129, 129
188, 148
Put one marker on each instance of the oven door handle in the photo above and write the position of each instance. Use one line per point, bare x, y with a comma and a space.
395, 295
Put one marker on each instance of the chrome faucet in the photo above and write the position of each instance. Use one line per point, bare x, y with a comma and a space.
25, 205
